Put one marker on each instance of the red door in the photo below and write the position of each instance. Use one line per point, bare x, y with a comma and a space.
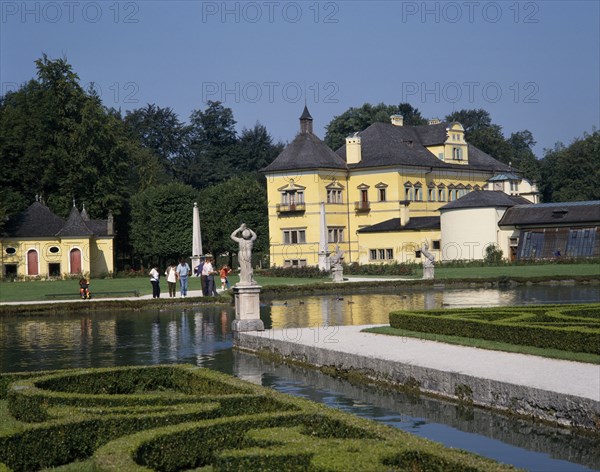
32, 262
75, 261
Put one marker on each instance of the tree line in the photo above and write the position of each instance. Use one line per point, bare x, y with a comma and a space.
59, 141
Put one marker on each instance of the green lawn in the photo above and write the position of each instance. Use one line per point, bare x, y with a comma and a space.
36, 290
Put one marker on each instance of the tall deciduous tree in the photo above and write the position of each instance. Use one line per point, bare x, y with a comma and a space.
161, 222
523, 158
60, 142
159, 130
212, 141
255, 150
572, 173
223, 207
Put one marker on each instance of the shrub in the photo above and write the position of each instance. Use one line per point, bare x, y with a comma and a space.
574, 328
179, 417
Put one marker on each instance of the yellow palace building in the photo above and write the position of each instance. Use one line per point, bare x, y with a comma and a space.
377, 197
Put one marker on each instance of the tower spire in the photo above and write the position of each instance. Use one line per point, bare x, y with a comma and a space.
306, 120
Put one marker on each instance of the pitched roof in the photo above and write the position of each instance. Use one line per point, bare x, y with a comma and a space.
541, 214
485, 198
415, 223
36, 221
75, 226
306, 151
384, 144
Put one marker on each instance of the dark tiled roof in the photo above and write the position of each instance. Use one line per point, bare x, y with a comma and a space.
98, 227
414, 224
38, 221
75, 226
34, 222
485, 198
384, 144
306, 151
542, 214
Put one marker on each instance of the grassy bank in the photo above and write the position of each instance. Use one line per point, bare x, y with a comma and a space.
38, 289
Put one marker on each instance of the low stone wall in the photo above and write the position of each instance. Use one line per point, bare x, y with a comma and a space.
566, 410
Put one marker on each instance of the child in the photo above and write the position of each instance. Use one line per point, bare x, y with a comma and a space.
84, 289
223, 273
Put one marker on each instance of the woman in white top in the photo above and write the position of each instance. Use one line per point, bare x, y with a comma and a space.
155, 281
171, 274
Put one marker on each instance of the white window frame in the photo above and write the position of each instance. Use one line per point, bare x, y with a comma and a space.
289, 234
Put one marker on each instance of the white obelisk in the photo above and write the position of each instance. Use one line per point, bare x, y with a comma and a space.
196, 238
323, 250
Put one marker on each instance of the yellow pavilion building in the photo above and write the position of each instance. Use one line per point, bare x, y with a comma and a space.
377, 197
38, 243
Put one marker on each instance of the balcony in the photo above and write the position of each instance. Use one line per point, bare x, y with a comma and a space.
293, 208
362, 206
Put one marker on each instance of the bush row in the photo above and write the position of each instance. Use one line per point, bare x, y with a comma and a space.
354, 268
135, 418
574, 328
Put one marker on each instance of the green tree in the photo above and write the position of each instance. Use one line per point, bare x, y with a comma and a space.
223, 207
161, 223
572, 173
255, 150
356, 119
212, 143
523, 158
159, 130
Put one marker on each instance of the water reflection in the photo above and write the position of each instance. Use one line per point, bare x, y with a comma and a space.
202, 337
373, 308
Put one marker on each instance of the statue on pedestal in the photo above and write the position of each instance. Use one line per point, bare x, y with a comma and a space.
428, 261
337, 269
247, 291
246, 241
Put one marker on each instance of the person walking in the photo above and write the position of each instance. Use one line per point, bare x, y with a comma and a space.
223, 273
183, 272
155, 281
171, 274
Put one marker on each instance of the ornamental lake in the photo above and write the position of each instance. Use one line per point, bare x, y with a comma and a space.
202, 336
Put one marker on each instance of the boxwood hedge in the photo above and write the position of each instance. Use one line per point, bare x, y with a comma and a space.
170, 418
574, 328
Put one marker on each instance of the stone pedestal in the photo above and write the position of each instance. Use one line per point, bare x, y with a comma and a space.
247, 308
428, 272
337, 274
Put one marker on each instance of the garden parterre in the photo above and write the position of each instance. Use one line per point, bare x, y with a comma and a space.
178, 417
574, 328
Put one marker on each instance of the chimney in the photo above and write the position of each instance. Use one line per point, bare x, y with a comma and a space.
353, 149
397, 120
110, 224
306, 125
404, 213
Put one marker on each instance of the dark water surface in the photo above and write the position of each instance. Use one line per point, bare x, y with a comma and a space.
201, 336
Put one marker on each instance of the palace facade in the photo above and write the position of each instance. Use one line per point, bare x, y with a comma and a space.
378, 196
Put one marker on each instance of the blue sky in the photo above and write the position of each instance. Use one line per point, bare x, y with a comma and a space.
533, 65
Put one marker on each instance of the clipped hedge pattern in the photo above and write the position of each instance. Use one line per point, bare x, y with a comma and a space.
574, 328
170, 418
